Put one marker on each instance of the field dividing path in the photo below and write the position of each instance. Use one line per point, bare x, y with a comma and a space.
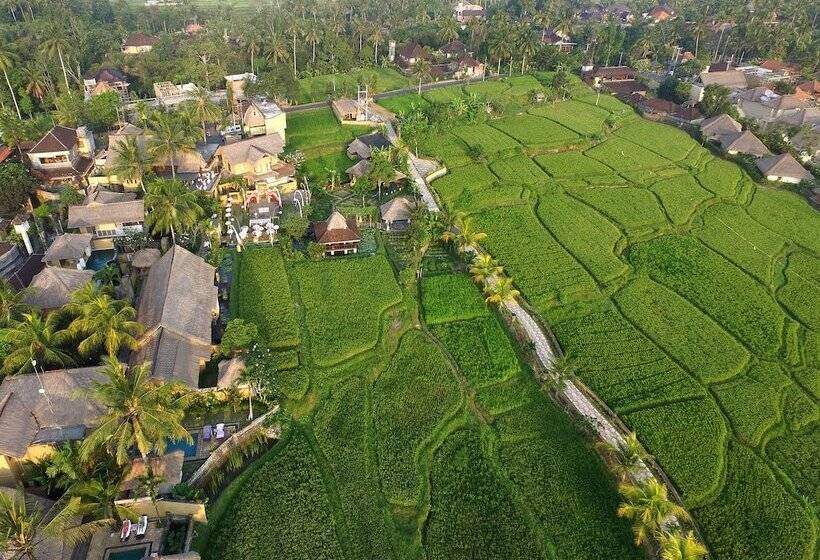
421, 184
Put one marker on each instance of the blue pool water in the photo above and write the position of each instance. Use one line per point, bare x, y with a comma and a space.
188, 448
130, 554
99, 259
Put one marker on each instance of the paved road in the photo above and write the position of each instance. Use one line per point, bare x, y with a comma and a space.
421, 185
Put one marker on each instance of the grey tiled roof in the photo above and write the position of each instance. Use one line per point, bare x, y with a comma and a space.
69, 246
52, 287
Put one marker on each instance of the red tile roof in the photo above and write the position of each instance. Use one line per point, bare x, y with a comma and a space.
337, 229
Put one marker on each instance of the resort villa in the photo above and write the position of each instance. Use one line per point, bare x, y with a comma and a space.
262, 118
107, 218
339, 235
62, 155
256, 160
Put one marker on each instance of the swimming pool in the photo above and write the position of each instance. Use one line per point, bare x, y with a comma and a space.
99, 259
188, 448
136, 553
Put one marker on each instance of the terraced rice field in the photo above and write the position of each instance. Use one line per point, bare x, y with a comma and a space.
414, 431
685, 292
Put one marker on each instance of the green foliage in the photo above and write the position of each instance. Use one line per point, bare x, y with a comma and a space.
674, 90
450, 297
410, 399
705, 278
343, 302
580, 117
681, 196
533, 131
693, 457
703, 348
568, 164
288, 479
716, 101
632, 208
238, 337
261, 294
754, 515
472, 515
16, 185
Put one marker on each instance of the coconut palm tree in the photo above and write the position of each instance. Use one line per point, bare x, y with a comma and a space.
7, 60
421, 70
56, 44
501, 291
36, 338
108, 324
141, 412
501, 49
35, 82
203, 110
25, 525
313, 35
484, 267
648, 507
377, 36
466, 236
132, 162
12, 303
171, 208
627, 456
99, 500
251, 41
170, 136
360, 27
277, 49
447, 29
675, 546
526, 44
294, 29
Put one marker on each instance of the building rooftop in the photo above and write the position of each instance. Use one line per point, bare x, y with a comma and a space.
68, 246
744, 142
720, 124
252, 149
96, 214
783, 165
52, 287
58, 139
140, 40
337, 229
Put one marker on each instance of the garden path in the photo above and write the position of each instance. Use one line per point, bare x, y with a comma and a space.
418, 179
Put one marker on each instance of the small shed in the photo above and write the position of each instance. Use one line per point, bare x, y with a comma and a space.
396, 213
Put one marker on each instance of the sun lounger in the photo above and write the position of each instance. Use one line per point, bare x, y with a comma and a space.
125, 531
220, 431
142, 526
207, 432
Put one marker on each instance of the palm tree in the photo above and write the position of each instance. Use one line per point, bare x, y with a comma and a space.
36, 83
251, 41
360, 27
204, 110
99, 500
526, 45
294, 30
648, 507
501, 291
313, 35
447, 29
35, 338
106, 323
169, 137
141, 412
132, 162
627, 456
562, 370
501, 50
56, 45
171, 207
25, 526
7, 60
12, 303
675, 546
277, 50
466, 237
377, 36
421, 69
485, 267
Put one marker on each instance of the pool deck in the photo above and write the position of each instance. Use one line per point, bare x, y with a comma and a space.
205, 448
104, 542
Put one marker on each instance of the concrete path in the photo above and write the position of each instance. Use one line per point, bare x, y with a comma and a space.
421, 185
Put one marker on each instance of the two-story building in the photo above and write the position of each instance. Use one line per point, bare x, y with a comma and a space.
139, 43
108, 218
264, 117
338, 235
62, 155
257, 161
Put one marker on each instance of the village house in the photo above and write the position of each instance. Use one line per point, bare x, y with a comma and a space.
410, 54
732, 79
715, 127
69, 250
766, 106
41, 411
264, 117
464, 12
257, 161
784, 169
808, 90
338, 235
396, 213
169, 94
744, 142
362, 168
788, 70
105, 80
558, 39
655, 107
177, 306
362, 112
659, 14
453, 49
597, 75
468, 67
62, 155
52, 287
139, 43
106, 220
362, 146
236, 84
18, 268
106, 161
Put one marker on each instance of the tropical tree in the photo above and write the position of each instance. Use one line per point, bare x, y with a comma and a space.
466, 237
377, 36
562, 370
132, 162
647, 505
484, 267
25, 525
106, 323
628, 456
99, 500
501, 49
526, 44
12, 303
676, 546
171, 207
501, 291
141, 412
294, 30
56, 44
7, 60
313, 35
251, 42
203, 109
38, 339
170, 135
35, 81
421, 70
277, 50
447, 29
